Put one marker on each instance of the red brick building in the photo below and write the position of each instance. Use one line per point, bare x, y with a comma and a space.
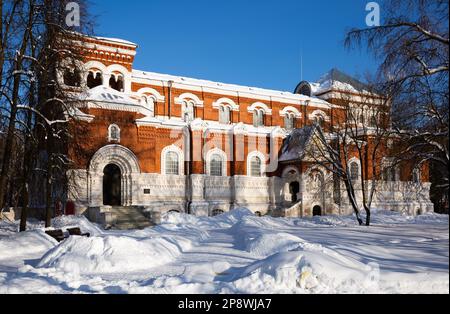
163, 142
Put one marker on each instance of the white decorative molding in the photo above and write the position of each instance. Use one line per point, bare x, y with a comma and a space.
286, 172
225, 101
110, 130
179, 152
189, 96
290, 109
119, 155
260, 105
128, 164
152, 92
320, 113
222, 154
262, 156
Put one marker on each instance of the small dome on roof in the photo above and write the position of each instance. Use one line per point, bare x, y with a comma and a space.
304, 88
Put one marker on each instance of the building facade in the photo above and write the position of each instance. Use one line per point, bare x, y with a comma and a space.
168, 143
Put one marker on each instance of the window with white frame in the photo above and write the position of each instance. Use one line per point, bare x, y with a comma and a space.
319, 119
149, 103
216, 165
354, 171
258, 118
224, 114
114, 133
172, 163
289, 121
255, 166
391, 172
188, 111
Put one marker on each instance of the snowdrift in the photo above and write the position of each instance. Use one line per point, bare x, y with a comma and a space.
236, 252
110, 254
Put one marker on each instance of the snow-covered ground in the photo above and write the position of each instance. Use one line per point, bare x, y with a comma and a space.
233, 253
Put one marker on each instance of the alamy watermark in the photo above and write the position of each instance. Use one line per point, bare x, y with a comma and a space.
373, 17
73, 14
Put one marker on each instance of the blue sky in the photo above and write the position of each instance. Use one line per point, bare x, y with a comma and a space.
248, 42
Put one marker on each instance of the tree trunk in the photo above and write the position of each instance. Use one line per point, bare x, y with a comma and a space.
24, 212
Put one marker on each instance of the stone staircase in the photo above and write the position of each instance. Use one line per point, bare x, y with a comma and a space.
127, 218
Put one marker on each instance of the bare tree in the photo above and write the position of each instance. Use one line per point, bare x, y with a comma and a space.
413, 46
36, 47
359, 131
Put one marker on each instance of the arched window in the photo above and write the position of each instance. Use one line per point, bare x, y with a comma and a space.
188, 114
416, 175
116, 82
216, 165
114, 133
319, 120
149, 103
354, 171
255, 166
258, 118
94, 79
172, 165
224, 114
289, 121
72, 77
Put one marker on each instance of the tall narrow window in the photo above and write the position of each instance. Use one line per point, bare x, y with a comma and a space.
188, 111
258, 118
216, 165
255, 167
94, 79
172, 163
289, 121
224, 115
116, 82
114, 133
149, 103
318, 119
354, 171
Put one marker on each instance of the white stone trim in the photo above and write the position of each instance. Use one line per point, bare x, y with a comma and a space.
260, 105
175, 149
152, 92
290, 109
189, 96
263, 158
227, 102
321, 113
358, 162
119, 155
209, 154
110, 139
128, 164
96, 65
288, 169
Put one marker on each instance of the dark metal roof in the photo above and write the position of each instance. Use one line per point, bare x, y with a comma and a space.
295, 144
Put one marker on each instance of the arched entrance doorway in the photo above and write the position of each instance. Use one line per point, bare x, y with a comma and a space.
294, 189
128, 164
112, 186
317, 211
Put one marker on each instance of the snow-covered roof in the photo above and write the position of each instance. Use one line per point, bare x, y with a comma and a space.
337, 80
116, 40
333, 80
137, 74
106, 94
296, 143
